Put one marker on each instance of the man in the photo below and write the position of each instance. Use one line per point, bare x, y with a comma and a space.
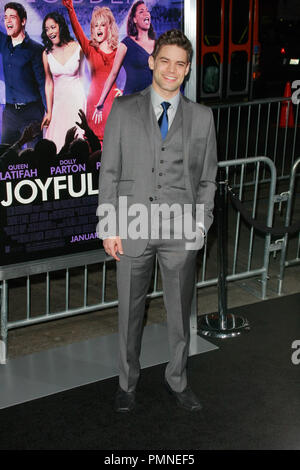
159, 148
23, 74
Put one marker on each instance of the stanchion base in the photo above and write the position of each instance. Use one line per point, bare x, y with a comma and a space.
2, 352
210, 325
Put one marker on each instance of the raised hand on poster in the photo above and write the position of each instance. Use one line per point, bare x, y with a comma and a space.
70, 135
68, 4
83, 124
29, 133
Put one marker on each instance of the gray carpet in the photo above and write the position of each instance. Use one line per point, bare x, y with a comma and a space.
55, 370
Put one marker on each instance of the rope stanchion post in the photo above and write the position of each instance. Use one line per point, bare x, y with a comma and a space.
222, 324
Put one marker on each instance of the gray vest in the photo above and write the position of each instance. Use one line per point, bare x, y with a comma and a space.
168, 182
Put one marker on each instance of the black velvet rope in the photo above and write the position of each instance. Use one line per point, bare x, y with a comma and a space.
260, 226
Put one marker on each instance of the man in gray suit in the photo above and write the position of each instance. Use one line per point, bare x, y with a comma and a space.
159, 151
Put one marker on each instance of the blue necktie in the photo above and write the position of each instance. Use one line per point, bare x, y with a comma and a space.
163, 121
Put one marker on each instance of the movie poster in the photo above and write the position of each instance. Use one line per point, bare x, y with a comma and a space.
49, 193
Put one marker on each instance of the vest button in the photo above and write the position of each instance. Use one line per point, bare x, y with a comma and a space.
151, 199
152, 170
160, 174
163, 148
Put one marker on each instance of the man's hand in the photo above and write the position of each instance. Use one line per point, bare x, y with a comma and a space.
112, 246
68, 4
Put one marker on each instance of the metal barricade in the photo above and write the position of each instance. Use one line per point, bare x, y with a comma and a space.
44, 266
259, 127
247, 260
284, 262
252, 260
54, 265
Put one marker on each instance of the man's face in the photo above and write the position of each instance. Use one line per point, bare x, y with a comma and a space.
12, 22
170, 68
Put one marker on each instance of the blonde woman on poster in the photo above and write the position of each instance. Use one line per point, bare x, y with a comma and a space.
62, 59
133, 53
100, 52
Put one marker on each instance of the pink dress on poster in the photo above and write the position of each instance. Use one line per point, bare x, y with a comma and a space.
68, 98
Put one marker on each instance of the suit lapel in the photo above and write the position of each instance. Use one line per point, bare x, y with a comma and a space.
146, 111
186, 125
187, 122
177, 121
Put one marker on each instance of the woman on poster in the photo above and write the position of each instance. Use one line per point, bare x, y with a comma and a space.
133, 53
62, 59
100, 52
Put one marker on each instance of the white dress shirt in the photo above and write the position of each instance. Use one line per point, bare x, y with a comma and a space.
156, 100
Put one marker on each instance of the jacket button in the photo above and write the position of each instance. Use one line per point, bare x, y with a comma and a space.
151, 199
163, 148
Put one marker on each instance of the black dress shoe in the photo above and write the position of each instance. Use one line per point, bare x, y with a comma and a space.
186, 399
125, 401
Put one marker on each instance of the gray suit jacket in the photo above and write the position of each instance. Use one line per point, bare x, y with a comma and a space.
128, 154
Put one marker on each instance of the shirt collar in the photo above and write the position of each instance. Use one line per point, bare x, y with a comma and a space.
156, 99
25, 40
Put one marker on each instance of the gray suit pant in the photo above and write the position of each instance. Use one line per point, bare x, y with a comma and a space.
177, 267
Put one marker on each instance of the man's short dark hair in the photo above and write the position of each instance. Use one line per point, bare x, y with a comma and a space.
173, 37
19, 9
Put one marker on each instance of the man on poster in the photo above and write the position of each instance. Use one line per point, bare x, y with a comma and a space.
23, 74
159, 148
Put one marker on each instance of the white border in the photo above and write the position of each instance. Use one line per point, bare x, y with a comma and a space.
190, 30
